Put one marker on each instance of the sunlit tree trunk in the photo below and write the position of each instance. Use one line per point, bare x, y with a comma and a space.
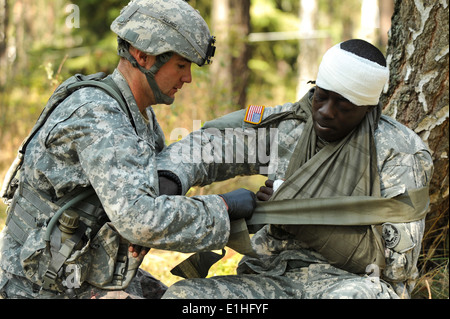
370, 21
418, 91
309, 47
220, 21
386, 11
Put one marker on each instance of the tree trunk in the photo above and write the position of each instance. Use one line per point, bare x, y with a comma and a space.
3, 43
231, 25
418, 93
386, 11
221, 63
370, 21
309, 48
240, 55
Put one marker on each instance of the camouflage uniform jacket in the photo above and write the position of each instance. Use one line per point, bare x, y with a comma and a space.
89, 140
404, 162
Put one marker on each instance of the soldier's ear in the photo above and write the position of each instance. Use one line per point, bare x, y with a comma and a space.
142, 58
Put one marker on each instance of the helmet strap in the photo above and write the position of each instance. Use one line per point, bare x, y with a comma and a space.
160, 97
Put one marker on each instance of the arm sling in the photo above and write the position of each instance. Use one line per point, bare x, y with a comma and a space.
331, 199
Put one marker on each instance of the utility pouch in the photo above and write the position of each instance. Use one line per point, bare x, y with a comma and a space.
101, 260
104, 250
44, 262
113, 267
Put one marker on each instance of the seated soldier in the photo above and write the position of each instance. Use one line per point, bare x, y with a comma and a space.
365, 175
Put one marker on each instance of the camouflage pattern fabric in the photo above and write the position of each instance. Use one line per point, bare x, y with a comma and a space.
316, 281
142, 286
159, 26
89, 141
403, 160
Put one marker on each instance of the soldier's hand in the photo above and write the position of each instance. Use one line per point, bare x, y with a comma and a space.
241, 203
137, 251
265, 192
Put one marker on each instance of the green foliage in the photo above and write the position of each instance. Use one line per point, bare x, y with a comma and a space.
339, 18
95, 19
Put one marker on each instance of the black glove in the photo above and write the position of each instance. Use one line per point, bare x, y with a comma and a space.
241, 203
169, 183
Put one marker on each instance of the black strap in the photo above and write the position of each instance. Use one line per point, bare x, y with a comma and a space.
110, 87
197, 265
119, 97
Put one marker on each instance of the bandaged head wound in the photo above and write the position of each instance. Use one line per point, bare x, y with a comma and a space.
359, 80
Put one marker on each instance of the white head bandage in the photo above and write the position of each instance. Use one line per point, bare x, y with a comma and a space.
359, 80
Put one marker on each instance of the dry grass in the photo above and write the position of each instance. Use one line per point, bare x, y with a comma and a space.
433, 282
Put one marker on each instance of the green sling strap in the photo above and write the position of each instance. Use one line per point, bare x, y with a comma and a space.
349, 211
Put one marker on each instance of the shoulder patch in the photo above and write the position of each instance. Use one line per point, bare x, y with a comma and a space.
254, 114
391, 235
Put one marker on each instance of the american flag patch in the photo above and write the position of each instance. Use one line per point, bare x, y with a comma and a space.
254, 114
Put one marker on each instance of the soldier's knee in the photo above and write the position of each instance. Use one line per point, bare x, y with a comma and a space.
181, 290
355, 289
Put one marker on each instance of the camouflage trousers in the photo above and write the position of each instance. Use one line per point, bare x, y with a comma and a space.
317, 281
143, 286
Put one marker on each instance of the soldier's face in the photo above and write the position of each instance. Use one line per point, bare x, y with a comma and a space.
173, 75
334, 116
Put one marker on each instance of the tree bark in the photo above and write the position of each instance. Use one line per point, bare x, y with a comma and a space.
240, 55
231, 25
309, 48
418, 91
3, 42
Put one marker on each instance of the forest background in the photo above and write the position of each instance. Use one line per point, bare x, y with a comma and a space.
267, 51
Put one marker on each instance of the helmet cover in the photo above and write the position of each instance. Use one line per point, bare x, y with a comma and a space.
160, 26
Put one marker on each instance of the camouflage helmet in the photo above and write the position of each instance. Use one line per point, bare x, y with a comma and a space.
161, 26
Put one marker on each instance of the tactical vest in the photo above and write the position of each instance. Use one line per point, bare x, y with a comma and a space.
94, 253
